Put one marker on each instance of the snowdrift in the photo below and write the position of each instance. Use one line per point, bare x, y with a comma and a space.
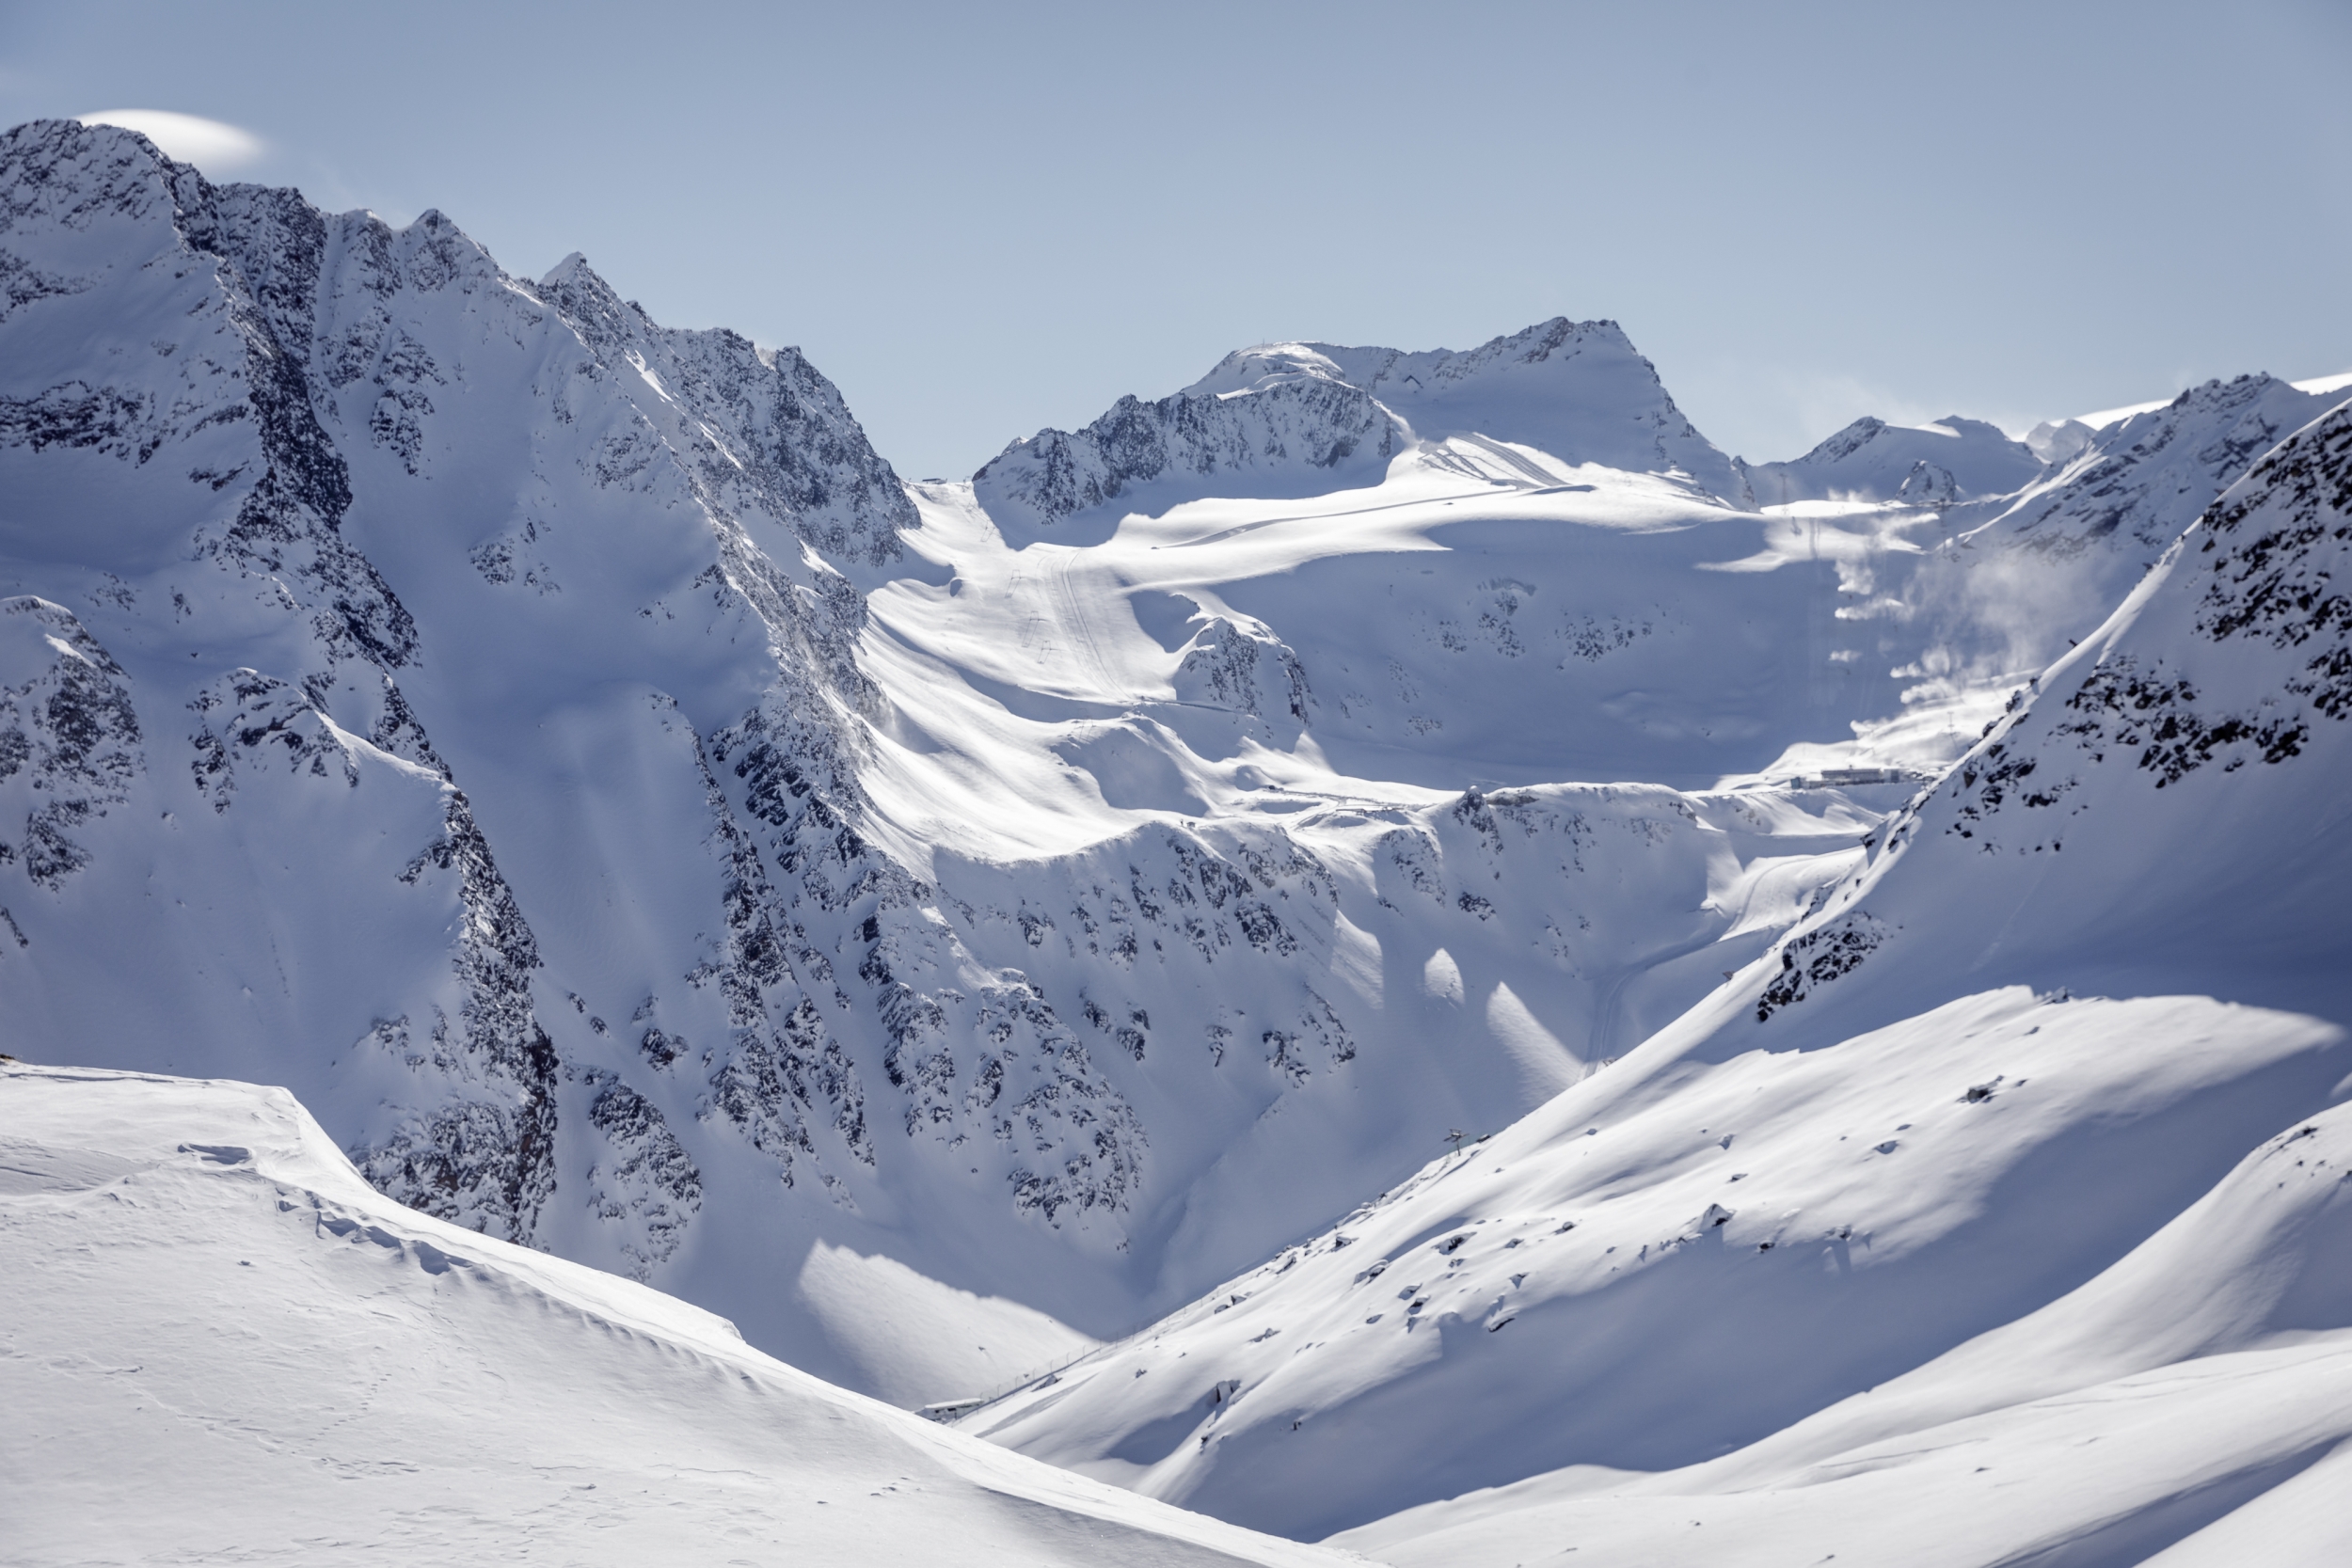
225, 1343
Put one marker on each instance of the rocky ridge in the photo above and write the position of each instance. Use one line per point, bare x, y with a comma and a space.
1311, 418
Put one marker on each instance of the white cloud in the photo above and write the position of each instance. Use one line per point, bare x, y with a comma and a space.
213, 146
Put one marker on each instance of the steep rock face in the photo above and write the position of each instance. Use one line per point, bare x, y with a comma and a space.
69, 739
1300, 435
2134, 485
2202, 717
760, 426
307, 382
1247, 670
2017, 579
157, 380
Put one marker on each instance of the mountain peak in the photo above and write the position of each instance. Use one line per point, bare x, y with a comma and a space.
1873, 460
1575, 390
572, 266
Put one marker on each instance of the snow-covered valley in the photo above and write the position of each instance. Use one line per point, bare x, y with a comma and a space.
1392, 943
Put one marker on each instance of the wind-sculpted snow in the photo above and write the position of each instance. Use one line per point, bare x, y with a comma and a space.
225, 1344
1651, 1271
2187, 1407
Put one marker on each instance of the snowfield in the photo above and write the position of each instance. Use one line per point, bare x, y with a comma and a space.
224, 1346
1390, 944
2185, 1407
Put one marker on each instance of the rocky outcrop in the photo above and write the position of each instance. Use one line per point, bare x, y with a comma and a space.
1295, 434
70, 745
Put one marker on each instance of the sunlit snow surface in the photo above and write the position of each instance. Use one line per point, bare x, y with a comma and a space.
1828, 1183
221, 1345
2190, 1405
556, 749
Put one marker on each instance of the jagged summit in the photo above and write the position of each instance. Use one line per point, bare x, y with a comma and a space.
1286, 418
770, 431
2133, 485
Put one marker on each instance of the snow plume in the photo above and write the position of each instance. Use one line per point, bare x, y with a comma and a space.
1993, 620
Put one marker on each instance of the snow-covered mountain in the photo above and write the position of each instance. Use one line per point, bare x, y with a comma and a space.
454, 697
1306, 419
1916, 1120
946, 927
2184, 1408
1930, 465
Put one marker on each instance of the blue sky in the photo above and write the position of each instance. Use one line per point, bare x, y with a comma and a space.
982, 219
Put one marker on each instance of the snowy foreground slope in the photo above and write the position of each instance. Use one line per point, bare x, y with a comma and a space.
1913, 1124
2190, 1405
220, 1344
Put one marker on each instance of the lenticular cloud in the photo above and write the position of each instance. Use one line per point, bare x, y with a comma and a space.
211, 144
